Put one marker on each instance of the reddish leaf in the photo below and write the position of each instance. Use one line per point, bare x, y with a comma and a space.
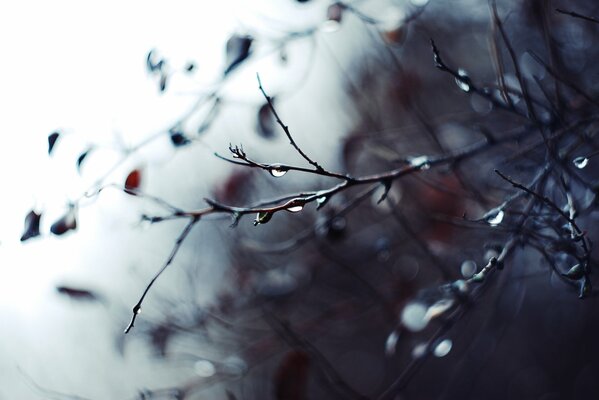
133, 181
32, 226
67, 223
291, 378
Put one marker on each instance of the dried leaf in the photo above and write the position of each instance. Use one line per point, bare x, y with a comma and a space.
237, 50
178, 138
81, 158
266, 124
190, 67
66, 223
32, 226
153, 63
77, 294
291, 377
230, 395
575, 273
52, 138
163, 79
133, 181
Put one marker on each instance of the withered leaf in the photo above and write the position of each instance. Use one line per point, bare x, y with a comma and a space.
153, 63
66, 223
237, 50
81, 158
52, 138
32, 226
133, 181
178, 138
291, 377
77, 294
266, 124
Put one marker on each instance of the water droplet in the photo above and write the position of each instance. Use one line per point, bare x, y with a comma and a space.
419, 350
262, 218
443, 348
464, 82
413, 316
204, 368
438, 309
136, 310
494, 217
391, 343
321, 200
421, 162
419, 3
468, 268
294, 209
580, 162
278, 171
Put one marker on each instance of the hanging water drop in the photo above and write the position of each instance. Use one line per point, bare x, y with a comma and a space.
294, 209
580, 162
464, 81
495, 217
443, 348
277, 171
321, 200
421, 162
262, 218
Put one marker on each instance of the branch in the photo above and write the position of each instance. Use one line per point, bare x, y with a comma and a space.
285, 127
577, 15
174, 251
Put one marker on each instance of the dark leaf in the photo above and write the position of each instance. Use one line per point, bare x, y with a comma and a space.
266, 125
77, 294
230, 395
291, 377
81, 158
159, 338
66, 223
575, 273
133, 181
585, 288
153, 63
190, 67
162, 84
32, 226
52, 138
178, 138
237, 50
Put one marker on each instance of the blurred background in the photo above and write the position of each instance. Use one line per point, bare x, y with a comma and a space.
359, 299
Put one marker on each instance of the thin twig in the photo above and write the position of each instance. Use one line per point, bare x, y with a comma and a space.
171, 257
